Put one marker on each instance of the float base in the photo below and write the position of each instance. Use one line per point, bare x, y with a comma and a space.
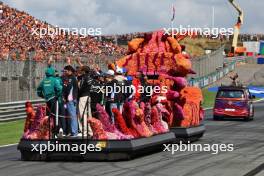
111, 150
188, 134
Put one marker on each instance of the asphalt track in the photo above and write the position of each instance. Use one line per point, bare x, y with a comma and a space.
246, 159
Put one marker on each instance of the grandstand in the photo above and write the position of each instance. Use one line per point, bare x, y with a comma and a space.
17, 38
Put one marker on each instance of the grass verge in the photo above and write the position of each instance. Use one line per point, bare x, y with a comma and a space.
11, 132
209, 98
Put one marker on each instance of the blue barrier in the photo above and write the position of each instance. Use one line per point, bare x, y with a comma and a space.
260, 60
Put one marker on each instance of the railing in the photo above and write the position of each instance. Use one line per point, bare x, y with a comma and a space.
213, 77
19, 79
207, 64
15, 110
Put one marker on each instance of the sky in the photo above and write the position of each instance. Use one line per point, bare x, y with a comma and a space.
125, 16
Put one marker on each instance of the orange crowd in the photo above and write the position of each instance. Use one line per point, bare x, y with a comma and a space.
17, 39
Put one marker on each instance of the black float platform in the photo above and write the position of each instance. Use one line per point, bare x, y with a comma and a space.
188, 134
111, 149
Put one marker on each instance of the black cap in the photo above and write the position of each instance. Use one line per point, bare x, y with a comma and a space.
69, 68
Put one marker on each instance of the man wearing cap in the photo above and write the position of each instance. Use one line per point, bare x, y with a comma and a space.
110, 94
120, 87
50, 89
61, 110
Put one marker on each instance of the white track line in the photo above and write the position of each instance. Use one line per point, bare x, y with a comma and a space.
262, 99
8, 145
208, 108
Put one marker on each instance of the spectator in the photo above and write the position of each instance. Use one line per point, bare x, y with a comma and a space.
16, 33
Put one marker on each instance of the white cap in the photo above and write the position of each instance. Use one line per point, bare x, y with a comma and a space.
119, 70
110, 72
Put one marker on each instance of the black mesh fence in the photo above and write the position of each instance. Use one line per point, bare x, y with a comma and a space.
19, 79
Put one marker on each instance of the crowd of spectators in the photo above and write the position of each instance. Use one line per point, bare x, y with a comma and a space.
17, 38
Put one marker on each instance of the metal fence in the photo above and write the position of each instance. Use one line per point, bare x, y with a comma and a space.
210, 68
209, 63
212, 77
15, 110
19, 79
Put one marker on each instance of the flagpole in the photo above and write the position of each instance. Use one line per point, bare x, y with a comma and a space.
172, 19
213, 16
172, 31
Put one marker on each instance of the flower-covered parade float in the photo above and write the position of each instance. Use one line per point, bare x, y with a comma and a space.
160, 56
142, 126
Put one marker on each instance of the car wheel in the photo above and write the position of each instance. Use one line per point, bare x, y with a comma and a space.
249, 118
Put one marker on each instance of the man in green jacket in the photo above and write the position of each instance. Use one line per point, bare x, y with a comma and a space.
50, 89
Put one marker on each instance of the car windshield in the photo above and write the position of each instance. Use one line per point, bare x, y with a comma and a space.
230, 94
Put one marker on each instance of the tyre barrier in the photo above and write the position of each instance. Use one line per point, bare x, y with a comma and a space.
111, 150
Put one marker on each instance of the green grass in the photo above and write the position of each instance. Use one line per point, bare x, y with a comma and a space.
11, 132
209, 98
197, 46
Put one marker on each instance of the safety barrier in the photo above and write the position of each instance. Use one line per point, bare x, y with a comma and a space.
207, 64
15, 110
213, 77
